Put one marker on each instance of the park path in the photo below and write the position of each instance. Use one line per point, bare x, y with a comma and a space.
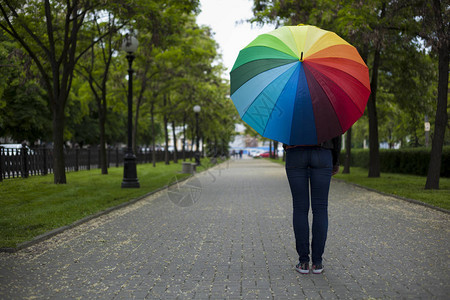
227, 234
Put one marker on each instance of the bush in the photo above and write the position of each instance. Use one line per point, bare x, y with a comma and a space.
407, 161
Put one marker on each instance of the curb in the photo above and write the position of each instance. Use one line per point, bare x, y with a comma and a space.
49, 234
395, 196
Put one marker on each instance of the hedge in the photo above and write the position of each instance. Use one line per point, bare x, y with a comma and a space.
407, 161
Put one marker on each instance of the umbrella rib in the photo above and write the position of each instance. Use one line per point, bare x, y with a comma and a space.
325, 114
257, 108
273, 109
265, 103
319, 60
299, 85
276, 106
251, 69
337, 84
336, 51
344, 123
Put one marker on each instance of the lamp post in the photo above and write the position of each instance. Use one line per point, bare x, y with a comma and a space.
130, 179
197, 110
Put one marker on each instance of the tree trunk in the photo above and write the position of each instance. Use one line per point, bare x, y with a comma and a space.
139, 101
193, 138
215, 154
59, 174
102, 121
348, 137
275, 149
348, 151
102, 111
135, 127
166, 137
270, 149
184, 138
374, 152
152, 113
175, 152
434, 168
102, 102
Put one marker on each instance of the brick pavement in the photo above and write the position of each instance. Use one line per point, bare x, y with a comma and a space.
227, 234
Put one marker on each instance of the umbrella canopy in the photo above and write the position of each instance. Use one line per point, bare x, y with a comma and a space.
300, 85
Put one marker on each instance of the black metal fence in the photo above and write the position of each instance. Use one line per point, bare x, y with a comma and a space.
24, 162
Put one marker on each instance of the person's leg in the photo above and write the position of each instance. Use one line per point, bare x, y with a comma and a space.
297, 173
321, 168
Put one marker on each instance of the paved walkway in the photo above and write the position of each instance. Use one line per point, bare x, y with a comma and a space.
227, 234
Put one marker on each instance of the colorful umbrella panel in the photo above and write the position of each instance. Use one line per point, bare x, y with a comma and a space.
300, 85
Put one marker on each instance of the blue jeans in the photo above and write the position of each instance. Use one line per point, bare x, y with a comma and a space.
309, 166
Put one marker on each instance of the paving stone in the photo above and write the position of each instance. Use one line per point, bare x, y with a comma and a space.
236, 242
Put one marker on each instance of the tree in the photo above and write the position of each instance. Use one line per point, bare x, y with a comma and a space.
374, 144
403, 105
375, 27
292, 12
178, 75
358, 40
24, 113
367, 21
434, 20
57, 44
49, 31
158, 29
348, 151
94, 68
81, 128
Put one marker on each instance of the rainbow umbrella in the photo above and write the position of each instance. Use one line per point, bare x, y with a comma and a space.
300, 85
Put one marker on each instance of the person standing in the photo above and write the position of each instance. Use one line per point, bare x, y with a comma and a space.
311, 166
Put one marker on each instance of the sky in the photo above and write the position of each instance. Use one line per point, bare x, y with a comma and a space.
224, 17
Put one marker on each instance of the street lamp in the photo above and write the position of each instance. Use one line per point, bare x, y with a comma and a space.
130, 179
197, 110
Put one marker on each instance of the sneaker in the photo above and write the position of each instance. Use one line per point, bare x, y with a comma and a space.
302, 268
317, 269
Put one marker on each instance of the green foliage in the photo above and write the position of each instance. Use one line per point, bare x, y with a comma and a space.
176, 57
289, 12
407, 35
412, 161
145, 131
24, 111
81, 127
25, 115
407, 82
176, 76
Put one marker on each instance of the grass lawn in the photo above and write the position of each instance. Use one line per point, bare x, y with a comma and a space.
407, 186
33, 206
